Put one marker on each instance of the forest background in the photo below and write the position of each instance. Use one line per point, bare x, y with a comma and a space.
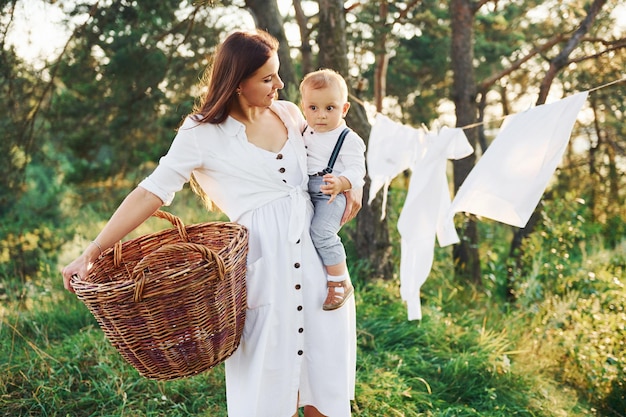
526, 322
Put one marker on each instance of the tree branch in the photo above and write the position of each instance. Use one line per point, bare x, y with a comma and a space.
596, 55
403, 14
477, 5
488, 82
561, 60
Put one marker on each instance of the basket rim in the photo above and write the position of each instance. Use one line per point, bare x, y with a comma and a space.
84, 284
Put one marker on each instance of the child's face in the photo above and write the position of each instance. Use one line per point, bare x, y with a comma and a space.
324, 108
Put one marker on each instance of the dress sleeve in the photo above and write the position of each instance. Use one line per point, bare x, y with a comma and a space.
290, 113
175, 168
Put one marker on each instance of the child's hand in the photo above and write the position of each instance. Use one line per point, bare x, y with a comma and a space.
334, 185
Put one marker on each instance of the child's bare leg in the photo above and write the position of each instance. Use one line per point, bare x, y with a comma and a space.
310, 411
337, 270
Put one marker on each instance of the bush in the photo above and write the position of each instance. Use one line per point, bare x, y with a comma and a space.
31, 234
553, 251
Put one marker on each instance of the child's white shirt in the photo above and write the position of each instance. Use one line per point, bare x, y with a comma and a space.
350, 162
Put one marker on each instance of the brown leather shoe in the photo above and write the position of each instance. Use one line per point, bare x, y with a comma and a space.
336, 299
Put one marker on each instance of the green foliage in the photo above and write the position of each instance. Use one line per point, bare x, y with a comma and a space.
413, 66
503, 32
18, 90
554, 251
31, 234
418, 54
125, 84
585, 325
574, 291
29, 188
599, 173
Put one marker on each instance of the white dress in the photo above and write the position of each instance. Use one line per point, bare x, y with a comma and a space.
290, 349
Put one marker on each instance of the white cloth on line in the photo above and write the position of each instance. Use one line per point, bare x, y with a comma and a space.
508, 181
390, 151
423, 215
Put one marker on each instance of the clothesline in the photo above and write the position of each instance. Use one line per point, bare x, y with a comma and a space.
505, 185
620, 80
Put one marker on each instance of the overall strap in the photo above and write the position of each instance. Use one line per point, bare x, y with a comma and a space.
335, 154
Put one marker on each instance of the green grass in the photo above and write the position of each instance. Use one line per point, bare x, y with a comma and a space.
444, 365
58, 363
454, 362
559, 350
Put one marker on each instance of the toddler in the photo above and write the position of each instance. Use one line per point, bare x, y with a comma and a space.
324, 96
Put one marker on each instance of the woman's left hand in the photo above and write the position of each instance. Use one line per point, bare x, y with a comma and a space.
354, 202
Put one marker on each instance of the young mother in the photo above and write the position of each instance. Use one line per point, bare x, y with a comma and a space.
245, 152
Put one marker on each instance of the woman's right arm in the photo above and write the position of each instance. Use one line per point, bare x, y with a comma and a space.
354, 202
138, 206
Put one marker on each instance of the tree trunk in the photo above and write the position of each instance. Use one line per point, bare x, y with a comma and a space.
382, 60
371, 235
267, 17
613, 174
305, 37
331, 38
593, 149
466, 258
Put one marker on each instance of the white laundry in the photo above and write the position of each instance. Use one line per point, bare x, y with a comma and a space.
390, 151
508, 181
424, 212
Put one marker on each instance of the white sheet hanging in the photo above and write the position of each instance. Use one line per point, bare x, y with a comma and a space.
424, 212
390, 150
507, 182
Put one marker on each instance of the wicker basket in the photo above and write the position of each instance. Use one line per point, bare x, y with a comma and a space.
173, 302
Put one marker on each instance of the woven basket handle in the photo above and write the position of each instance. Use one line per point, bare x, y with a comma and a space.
176, 222
139, 276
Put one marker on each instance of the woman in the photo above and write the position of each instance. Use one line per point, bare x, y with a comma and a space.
245, 151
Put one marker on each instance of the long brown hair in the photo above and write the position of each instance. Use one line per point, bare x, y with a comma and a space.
237, 58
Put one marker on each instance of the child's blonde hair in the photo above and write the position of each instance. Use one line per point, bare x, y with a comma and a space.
324, 78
